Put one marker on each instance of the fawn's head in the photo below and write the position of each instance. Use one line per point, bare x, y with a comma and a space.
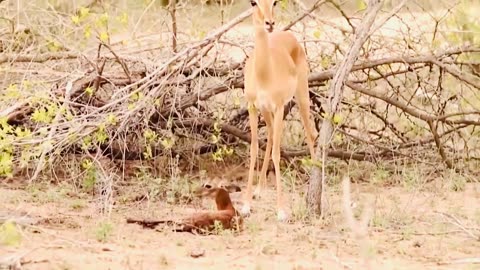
263, 13
219, 193
211, 190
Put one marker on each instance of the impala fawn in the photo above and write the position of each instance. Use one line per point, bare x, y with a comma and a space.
204, 222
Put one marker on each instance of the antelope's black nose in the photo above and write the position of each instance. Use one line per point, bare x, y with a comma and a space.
269, 26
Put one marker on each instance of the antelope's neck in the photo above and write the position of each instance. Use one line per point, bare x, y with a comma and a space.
224, 203
262, 60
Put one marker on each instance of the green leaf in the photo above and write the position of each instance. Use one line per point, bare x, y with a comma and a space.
86, 142
167, 143
75, 19
87, 32
326, 61
201, 34
9, 234
148, 153
41, 115
337, 119
214, 138
6, 164
112, 119
87, 164
216, 127
361, 5
150, 135
89, 91
53, 46
100, 135
236, 102
84, 12
227, 150
103, 20
123, 18
104, 37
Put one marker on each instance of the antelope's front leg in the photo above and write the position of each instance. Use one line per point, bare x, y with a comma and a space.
253, 118
282, 215
268, 116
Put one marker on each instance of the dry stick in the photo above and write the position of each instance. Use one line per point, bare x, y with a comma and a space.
38, 58
457, 223
200, 123
173, 14
463, 76
408, 109
317, 180
461, 261
438, 143
385, 18
305, 14
120, 61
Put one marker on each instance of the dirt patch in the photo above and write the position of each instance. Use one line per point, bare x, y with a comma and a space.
409, 230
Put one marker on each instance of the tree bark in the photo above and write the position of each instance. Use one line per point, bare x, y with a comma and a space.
316, 186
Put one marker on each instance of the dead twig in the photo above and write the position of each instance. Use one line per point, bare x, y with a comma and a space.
40, 58
474, 260
438, 143
455, 221
119, 60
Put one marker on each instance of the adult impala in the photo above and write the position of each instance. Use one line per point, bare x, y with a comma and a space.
276, 72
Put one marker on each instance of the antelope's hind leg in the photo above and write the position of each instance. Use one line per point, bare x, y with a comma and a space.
253, 119
303, 101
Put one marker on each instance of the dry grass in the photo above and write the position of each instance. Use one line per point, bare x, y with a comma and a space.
409, 230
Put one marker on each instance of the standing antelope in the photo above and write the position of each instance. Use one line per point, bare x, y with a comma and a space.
275, 73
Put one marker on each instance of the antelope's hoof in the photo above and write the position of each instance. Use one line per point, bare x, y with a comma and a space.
245, 211
282, 216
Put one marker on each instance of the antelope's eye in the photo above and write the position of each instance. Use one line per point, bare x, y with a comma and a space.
275, 3
207, 186
253, 3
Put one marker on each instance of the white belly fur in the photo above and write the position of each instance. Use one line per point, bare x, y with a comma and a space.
263, 101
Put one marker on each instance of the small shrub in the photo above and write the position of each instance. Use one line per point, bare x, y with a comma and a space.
104, 231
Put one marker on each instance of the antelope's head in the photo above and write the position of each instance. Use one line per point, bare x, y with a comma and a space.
211, 190
263, 13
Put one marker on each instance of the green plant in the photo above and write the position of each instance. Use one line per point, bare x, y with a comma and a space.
103, 231
77, 205
9, 234
90, 175
380, 176
457, 182
300, 210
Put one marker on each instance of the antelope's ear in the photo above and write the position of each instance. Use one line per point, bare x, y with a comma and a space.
207, 186
232, 188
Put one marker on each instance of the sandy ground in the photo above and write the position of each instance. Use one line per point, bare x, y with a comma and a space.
409, 230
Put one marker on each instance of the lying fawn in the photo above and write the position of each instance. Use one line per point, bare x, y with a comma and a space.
205, 222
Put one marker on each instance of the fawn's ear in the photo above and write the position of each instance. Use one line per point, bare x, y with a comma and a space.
207, 186
232, 188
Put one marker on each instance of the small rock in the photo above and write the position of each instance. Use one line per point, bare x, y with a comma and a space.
197, 253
